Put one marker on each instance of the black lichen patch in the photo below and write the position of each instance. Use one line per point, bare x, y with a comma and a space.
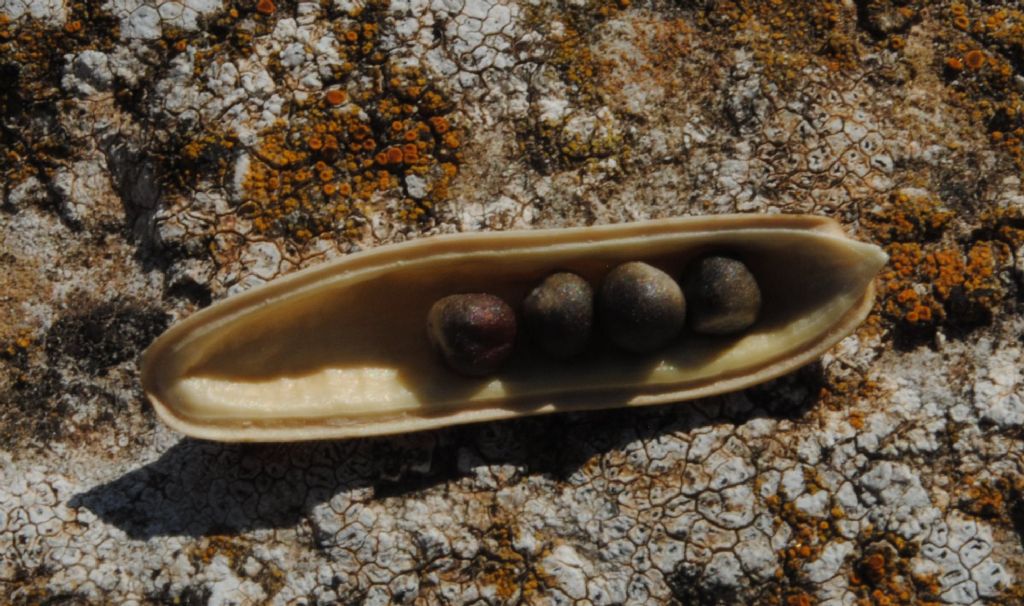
1016, 512
99, 339
690, 587
46, 398
884, 17
193, 595
42, 406
793, 395
999, 501
31, 406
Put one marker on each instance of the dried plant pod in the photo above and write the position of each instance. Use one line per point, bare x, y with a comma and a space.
338, 350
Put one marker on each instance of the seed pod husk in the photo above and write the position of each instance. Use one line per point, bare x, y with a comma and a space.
338, 350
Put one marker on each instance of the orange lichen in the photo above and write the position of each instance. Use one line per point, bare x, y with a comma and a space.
17, 348
439, 124
266, 7
1005, 224
928, 281
944, 268
983, 499
786, 41
808, 537
981, 277
988, 45
33, 53
306, 170
975, 59
504, 568
899, 291
871, 569
410, 153
207, 151
883, 575
335, 96
908, 218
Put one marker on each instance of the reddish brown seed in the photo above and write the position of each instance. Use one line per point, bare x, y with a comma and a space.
474, 333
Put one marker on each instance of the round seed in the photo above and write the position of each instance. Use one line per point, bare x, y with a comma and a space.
559, 314
474, 333
641, 307
723, 295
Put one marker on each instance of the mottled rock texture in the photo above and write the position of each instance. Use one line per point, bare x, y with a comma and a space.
159, 155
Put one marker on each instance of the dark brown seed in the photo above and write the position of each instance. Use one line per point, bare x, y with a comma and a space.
474, 333
641, 307
723, 295
559, 314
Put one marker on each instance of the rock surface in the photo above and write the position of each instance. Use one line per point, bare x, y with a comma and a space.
159, 155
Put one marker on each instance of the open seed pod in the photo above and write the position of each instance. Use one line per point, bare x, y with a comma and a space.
339, 350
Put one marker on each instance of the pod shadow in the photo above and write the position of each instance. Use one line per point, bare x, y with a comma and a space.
198, 488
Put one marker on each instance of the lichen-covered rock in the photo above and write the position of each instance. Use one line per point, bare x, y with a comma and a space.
157, 155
